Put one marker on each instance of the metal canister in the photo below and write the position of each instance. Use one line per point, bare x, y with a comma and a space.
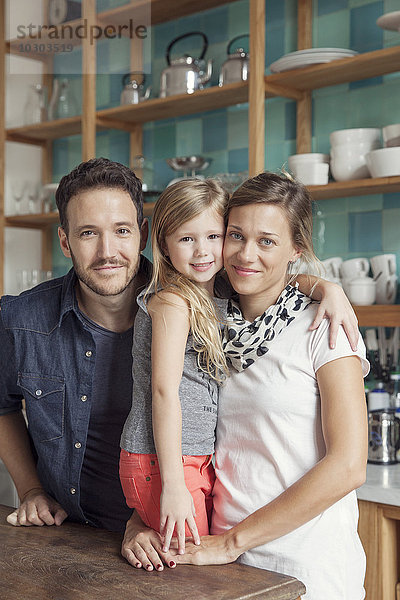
383, 437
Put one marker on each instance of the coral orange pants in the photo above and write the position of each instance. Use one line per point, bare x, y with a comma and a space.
141, 483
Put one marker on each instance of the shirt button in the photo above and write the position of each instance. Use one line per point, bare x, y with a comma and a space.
88, 353
38, 392
83, 398
148, 478
72, 490
78, 445
152, 462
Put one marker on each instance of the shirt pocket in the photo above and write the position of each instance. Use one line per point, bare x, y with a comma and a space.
44, 399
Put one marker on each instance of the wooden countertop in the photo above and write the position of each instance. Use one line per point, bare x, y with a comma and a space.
74, 561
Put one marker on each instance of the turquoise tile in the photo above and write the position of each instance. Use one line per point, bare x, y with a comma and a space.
365, 35
238, 18
238, 160
162, 35
326, 7
332, 30
391, 201
164, 137
219, 162
163, 174
365, 203
189, 137
74, 152
103, 145
148, 147
214, 131
290, 120
118, 56
362, 83
333, 206
275, 109
238, 131
391, 227
275, 15
290, 26
331, 235
103, 97
274, 45
60, 158
275, 156
391, 108
119, 146
214, 23
365, 231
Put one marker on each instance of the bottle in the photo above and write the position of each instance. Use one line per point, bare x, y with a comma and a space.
35, 110
378, 398
395, 387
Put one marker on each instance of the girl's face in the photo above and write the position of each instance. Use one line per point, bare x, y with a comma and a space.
258, 248
195, 248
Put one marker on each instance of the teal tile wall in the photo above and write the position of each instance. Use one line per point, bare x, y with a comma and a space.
349, 227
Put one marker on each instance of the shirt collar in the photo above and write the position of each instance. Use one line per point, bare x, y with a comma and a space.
68, 299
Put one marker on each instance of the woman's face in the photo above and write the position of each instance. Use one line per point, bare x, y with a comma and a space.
258, 247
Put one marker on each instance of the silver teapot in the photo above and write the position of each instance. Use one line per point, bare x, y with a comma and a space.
185, 75
236, 66
133, 91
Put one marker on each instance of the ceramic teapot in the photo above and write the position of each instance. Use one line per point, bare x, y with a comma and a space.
185, 75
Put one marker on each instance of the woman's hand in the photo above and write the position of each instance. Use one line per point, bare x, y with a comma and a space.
335, 306
176, 509
37, 508
213, 550
142, 546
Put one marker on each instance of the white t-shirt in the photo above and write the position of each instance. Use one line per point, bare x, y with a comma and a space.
269, 435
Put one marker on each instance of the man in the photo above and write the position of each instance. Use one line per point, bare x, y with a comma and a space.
66, 349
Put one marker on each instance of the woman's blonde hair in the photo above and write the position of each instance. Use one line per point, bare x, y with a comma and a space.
179, 203
293, 198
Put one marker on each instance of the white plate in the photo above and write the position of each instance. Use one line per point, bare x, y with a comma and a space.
319, 50
296, 62
390, 21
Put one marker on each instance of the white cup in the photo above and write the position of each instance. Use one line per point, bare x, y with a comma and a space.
332, 267
383, 263
386, 289
354, 267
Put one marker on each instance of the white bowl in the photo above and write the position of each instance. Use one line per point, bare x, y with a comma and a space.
346, 168
391, 135
311, 173
309, 157
353, 150
362, 291
351, 136
384, 162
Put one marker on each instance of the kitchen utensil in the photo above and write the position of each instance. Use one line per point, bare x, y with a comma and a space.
188, 163
308, 157
361, 291
311, 173
63, 103
185, 75
384, 162
332, 266
236, 66
390, 21
35, 109
33, 190
133, 91
352, 268
47, 194
383, 263
355, 136
231, 181
391, 135
383, 437
309, 56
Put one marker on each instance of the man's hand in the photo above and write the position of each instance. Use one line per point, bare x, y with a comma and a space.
37, 508
142, 546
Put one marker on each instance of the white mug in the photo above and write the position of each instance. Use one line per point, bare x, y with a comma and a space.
386, 289
332, 267
355, 267
383, 263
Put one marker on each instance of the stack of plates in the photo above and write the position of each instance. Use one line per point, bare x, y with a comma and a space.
311, 56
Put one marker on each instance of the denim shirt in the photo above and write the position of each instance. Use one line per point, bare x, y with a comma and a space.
48, 357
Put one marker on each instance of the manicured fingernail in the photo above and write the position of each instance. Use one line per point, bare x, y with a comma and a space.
149, 567
159, 567
172, 564
138, 565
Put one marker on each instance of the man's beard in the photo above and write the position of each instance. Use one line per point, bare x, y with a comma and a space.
107, 288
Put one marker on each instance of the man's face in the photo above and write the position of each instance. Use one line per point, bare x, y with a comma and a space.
104, 240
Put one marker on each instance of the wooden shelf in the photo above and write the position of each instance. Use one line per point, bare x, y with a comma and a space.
378, 315
161, 11
174, 106
356, 187
40, 133
362, 66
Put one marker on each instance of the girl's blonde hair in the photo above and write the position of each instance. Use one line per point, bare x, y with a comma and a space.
281, 190
179, 203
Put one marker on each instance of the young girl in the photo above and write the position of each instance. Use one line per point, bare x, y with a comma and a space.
168, 439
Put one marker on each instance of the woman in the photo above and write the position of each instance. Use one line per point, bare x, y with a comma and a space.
292, 434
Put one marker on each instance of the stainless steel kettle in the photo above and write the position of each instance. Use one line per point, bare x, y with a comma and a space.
236, 66
132, 92
185, 75
383, 437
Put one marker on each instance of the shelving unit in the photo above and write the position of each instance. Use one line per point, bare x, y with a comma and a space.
295, 84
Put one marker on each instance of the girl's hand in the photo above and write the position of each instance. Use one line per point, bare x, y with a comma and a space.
142, 546
336, 307
176, 509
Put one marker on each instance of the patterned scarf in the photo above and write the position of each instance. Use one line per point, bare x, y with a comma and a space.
243, 342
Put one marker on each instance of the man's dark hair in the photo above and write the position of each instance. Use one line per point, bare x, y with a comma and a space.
98, 173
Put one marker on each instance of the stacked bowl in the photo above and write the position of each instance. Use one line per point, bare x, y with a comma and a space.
385, 162
311, 168
348, 152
